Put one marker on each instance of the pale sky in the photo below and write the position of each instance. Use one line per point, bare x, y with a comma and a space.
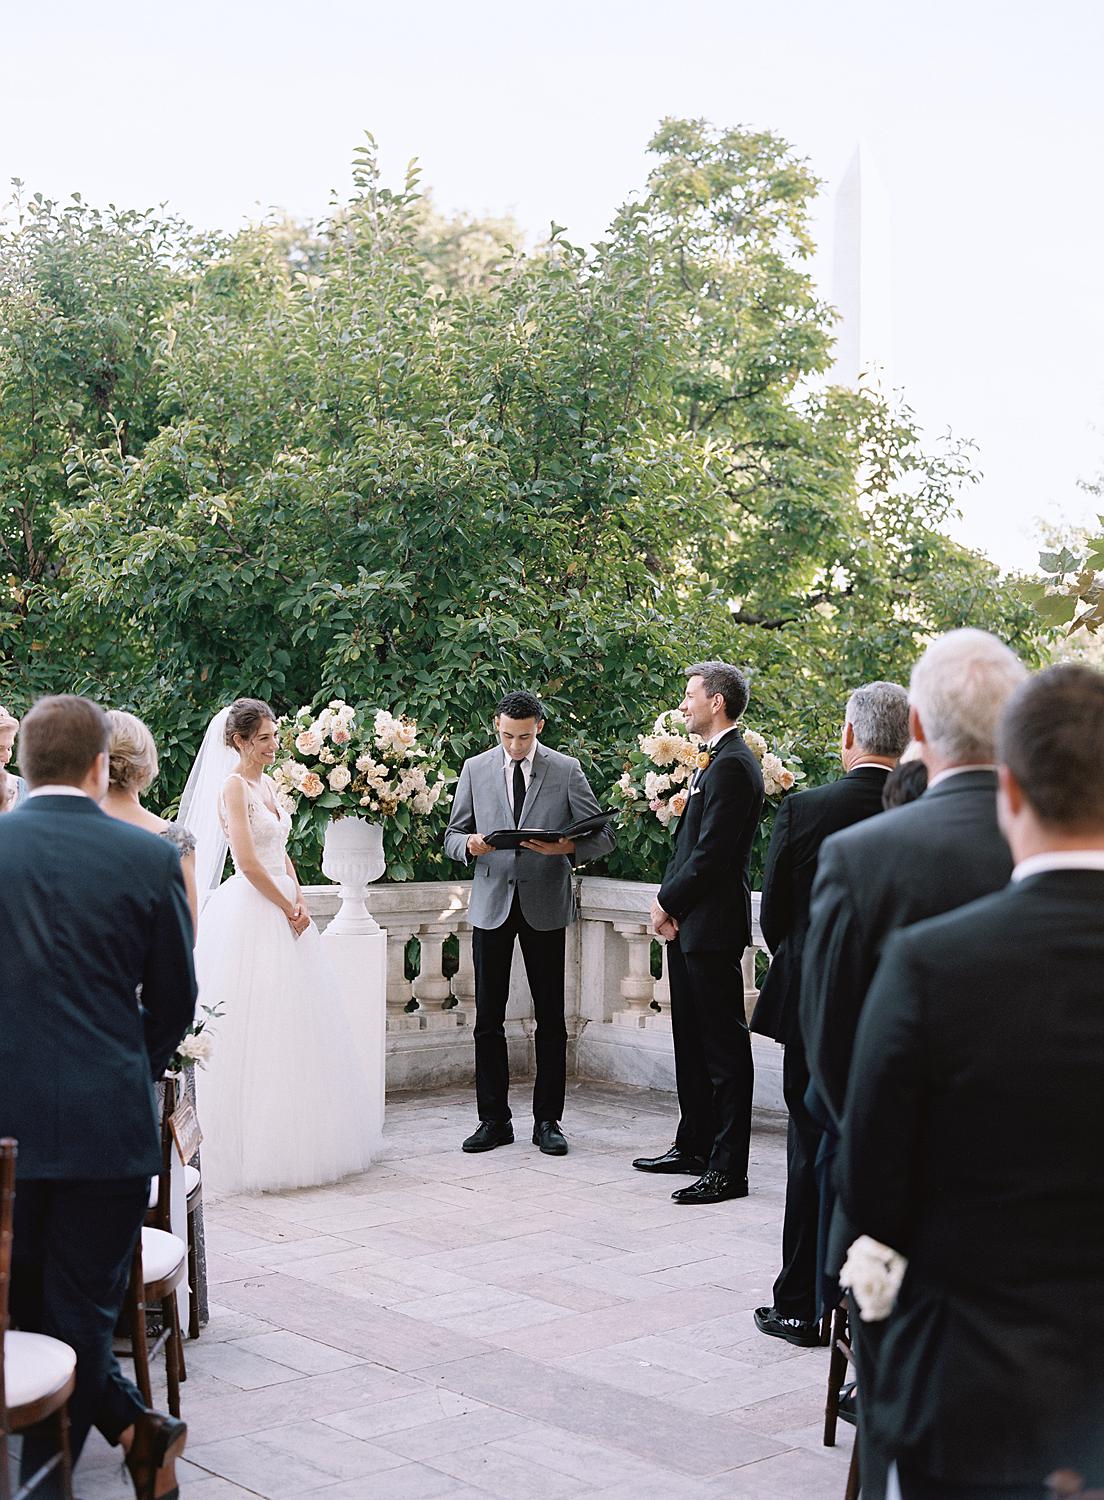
985, 119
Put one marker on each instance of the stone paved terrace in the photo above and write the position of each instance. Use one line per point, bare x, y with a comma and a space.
510, 1325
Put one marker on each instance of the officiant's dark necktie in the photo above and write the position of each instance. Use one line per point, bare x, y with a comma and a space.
519, 792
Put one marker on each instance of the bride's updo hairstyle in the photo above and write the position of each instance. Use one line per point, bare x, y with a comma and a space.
245, 717
132, 753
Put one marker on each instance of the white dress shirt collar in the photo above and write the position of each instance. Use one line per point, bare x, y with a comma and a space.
868, 765
1060, 859
58, 791
508, 764
957, 771
717, 738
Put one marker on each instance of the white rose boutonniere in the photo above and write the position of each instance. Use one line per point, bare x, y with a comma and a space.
872, 1273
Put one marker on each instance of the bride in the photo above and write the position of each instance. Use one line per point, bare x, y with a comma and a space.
282, 1099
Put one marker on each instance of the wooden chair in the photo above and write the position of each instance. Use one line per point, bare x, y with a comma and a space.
840, 1344
193, 1187
160, 1265
37, 1374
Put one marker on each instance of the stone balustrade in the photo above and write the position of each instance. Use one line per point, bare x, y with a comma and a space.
617, 1008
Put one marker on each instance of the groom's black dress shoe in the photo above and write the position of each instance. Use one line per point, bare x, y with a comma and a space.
794, 1330
158, 1439
549, 1137
713, 1187
673, 1160
491, 1133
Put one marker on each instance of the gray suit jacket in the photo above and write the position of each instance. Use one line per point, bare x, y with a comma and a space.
558, 796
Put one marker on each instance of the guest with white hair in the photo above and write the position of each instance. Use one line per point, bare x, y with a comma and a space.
916, 861
133, 770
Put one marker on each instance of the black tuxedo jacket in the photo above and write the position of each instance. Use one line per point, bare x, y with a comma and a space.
707, 884
972, 1143
90, 908
803, 822
914, 862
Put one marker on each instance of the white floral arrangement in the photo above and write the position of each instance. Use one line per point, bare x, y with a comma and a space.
657, 774
351, 761
873, 1273
197, 1045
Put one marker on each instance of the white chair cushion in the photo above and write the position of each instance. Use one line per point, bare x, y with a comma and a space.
161, 1254
191, 1182
34, 1366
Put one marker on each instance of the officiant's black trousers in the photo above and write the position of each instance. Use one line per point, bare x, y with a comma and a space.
71, 1256
543, 952
713, 1067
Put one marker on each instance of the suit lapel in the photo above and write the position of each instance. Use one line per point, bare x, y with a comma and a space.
497, 771
540, 766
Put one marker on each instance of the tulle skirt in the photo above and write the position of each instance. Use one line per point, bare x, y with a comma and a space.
282, 1101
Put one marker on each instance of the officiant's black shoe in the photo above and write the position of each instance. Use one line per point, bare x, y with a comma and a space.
713, 1187
549, 1137
794, 1330
673, 1160
491, 1133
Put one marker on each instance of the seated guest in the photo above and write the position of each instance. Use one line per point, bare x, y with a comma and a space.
875, 731
133, 770
972, 1137
904, 784
90, 909
12, 788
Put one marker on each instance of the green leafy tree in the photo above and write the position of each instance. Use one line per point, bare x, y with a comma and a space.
402, 462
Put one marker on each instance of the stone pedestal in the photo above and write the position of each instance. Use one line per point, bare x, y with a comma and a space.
360, 963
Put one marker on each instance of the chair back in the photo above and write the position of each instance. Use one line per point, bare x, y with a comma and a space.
8, 1153
162, 1215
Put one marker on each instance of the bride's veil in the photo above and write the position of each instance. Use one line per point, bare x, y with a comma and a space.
199, 804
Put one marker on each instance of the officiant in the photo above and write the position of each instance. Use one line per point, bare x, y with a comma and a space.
524, 893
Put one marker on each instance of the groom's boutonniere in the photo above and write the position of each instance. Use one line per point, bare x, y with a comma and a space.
705, 757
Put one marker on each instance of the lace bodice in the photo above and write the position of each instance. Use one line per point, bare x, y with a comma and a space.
270, 830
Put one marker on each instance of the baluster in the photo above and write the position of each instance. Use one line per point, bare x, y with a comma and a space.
637, 986
399, 989
431, 988
751, 993
463, 981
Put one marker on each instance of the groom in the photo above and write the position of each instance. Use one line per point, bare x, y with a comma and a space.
703, 911
525, 894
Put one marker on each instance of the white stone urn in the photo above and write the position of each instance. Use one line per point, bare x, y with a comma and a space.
352, 855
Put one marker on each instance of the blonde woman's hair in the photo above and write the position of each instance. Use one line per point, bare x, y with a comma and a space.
7, 719
132, 751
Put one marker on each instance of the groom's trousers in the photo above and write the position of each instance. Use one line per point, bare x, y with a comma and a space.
713, 1067
71, 1256
543, 953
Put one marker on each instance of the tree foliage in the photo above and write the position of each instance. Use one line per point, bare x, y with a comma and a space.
397, 459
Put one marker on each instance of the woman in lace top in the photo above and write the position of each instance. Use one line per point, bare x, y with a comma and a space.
133, 770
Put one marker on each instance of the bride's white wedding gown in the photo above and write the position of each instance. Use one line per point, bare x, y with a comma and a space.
282, 1100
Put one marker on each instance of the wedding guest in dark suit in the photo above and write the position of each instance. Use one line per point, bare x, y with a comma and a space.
703, 911
91, 909
972, 1137
917, 861
875, 731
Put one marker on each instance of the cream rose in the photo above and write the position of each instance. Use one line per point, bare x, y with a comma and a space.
308, 742
339, 778
311, 785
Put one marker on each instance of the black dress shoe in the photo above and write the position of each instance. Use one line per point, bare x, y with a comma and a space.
672, 1160
549, 1137
158, 1440
713, 1187
794, 1330
491, 1133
